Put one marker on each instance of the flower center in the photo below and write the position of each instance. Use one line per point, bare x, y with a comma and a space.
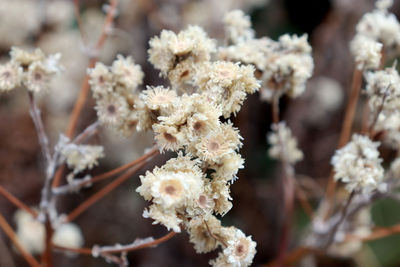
169, 137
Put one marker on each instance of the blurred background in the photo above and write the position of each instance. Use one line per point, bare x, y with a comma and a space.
315, 119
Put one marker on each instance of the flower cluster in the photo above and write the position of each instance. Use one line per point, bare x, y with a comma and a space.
283, 144
284, 65
30, 69
188, 190
79, 157
117, 100
176, 55
376, 31
358, 165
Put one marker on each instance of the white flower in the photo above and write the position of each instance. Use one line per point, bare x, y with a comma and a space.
366, 51
283, 144
81, 157
358, 165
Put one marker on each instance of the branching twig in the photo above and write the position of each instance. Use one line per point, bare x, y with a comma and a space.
100, 194
37, 121
119, 248
68, 188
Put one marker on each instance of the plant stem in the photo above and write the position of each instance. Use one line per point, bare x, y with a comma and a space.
344, 135
18, 203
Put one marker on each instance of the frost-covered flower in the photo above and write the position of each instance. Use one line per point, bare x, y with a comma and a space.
101, 79
10, 76
159, 98
170, 49
126, 72
112, 110
381, 26
238, 26
283, 144
366, 51
202, 234
239, 252
358, 165
68, 235
81, 157
37, 79
24, 58
383, 89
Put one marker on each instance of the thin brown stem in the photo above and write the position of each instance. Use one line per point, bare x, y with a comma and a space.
79, 184
153, 152
344, 135
85, 85
13, 237
288, 198
79, 21
301, 196
275, 110
376, 234
365, 117
18, 203
214, 236
84, 91
47, 258
100, 194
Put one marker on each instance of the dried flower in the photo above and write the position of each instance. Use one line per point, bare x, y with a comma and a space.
10, 76
238, 26
358, 165
283, 144
240, 251
81, 157
127, 73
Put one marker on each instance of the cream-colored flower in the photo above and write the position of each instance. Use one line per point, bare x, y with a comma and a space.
37, 79
10, 76
126, 72
238, 26
203, 233
112, 109
358, 165
168, 137
159, 98
81, 157
101, 79
283, 144
25, 58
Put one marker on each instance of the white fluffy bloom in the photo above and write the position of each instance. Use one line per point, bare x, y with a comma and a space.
81, 157
358, 165
283, 144
383, 85
366, 51
239, 252
238, 26
381, 26
31, 233
68, 235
